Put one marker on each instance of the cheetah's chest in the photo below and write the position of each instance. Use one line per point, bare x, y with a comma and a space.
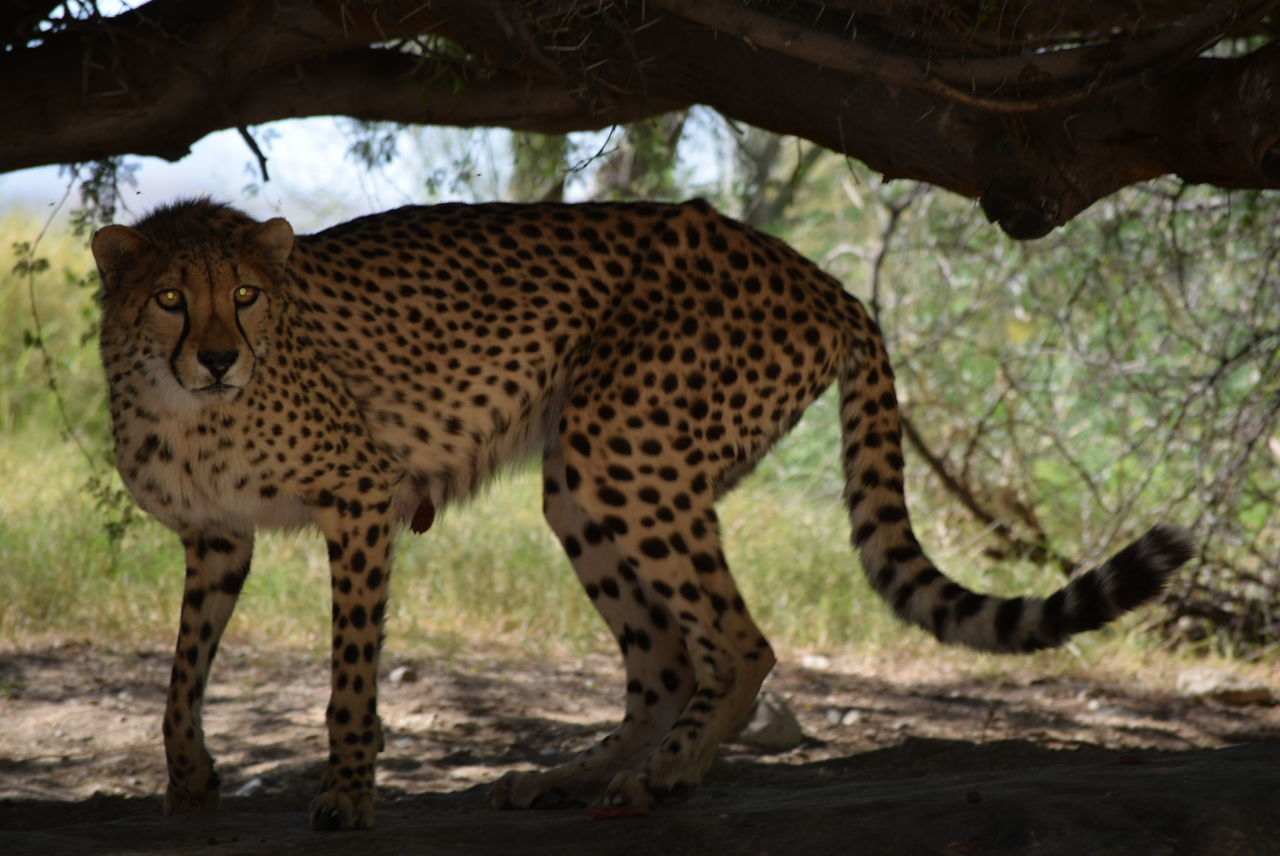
189, 476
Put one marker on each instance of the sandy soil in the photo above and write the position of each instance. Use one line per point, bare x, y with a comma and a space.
899, 757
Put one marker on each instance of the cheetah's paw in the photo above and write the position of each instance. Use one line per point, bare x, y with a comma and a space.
194, 793
339, 810
630, 788
642, 789
518, 790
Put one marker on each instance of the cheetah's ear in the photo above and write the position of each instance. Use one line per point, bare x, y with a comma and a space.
115, 247
275, 239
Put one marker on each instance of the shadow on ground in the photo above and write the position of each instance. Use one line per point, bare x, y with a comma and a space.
991, 799
920, 764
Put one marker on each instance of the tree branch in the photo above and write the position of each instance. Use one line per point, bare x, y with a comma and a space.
961, 78
1039, 551
19, 19
155, 79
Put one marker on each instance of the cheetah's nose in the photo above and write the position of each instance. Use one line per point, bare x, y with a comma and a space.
217, 362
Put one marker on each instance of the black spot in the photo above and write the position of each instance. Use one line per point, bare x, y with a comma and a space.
655, 548
905, 553
865, 531
220, 545
233, 581
611, 496
1091, 607
1007, 617
968, 605
940, 614
926, 576
580, 443
1051, 616
892, 514
658, 617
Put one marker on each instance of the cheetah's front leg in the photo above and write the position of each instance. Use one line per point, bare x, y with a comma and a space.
359, 541
217, 564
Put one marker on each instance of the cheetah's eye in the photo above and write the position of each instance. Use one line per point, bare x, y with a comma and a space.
170, 299
246, 295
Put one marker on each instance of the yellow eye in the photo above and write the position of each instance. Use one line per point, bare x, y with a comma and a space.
170, 299
246, 295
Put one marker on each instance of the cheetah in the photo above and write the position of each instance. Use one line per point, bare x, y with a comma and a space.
367, 376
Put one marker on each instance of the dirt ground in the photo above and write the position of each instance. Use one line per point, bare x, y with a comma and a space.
898, 757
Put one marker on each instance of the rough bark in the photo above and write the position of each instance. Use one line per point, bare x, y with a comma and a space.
1029, 110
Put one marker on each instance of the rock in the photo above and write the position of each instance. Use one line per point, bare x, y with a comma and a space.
252, 788
403, 675
816, 662
771, 725
1223, 687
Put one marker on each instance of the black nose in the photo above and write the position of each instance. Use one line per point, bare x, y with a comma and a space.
217, 362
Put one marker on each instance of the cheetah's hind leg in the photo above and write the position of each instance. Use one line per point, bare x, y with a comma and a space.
731, 659
658, 672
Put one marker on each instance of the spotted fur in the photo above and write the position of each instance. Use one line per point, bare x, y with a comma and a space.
369, 374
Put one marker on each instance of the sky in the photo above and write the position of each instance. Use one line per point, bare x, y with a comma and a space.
313, 180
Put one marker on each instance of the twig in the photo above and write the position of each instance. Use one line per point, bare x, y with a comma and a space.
28, 266
257, 152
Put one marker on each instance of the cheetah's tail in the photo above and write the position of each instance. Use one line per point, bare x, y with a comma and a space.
921, 594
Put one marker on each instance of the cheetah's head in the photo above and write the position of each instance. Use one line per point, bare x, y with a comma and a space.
187, 296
